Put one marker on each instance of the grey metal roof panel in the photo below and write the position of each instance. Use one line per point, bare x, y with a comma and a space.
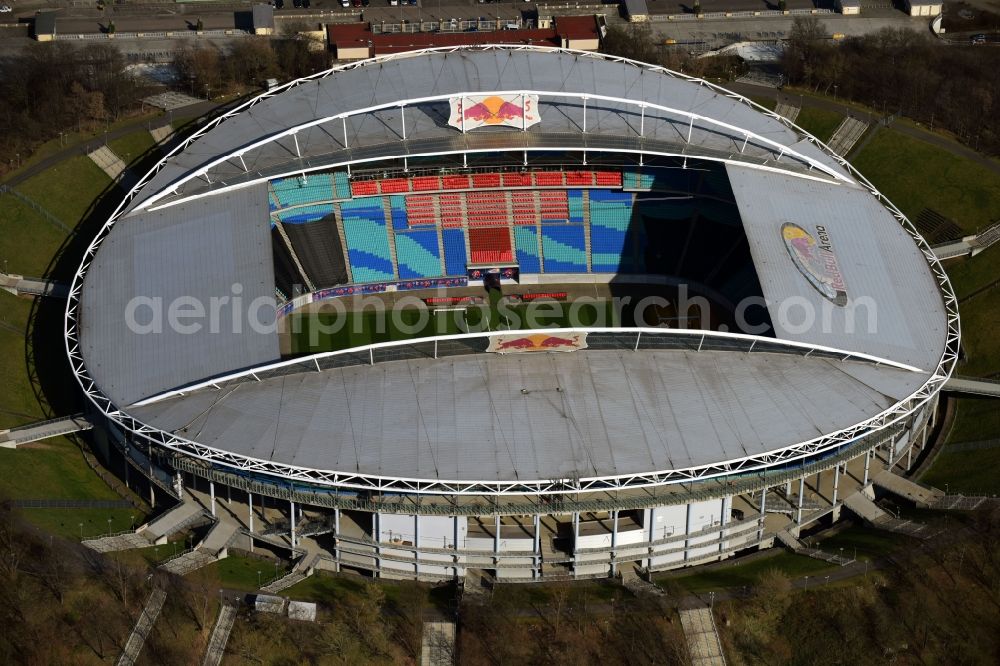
895, 309
198, 252
538, 416
441, 73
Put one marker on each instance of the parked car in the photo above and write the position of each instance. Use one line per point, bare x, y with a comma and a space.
345, 3
394, 3
5, 9
978, 39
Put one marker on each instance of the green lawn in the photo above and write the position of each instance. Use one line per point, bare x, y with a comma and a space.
53, 469
974, 273
967, 472
977, 419
745, 574
980, 322
132, 146
18, 404
766, 102
28, 241
819, 122
67, 522
915, 175
325, 331
867, 543
240, 571
67, 189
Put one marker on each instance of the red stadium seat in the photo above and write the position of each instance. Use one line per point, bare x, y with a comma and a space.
483, 180
549, 178
490, 245
455, 182
517, 180
363, 188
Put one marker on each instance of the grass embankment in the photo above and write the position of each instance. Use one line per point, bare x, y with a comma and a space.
68, 189
819, 122
916, 175
744, 574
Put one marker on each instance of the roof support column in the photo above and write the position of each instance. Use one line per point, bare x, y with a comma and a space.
584, 114
298, 152
291, 530
868, 459
802, 492
746, 139
642, 120
614, 540
537, 546
416, 544
243, 163
836, 481
211, 493
690, 129
576, 538
250, 519
763, 505
496, 540
344, 122
402, 119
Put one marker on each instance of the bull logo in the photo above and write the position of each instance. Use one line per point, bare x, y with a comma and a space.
538, 342
494, 110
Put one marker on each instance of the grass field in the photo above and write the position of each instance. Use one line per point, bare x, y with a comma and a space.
819, 122
132, 146
239, 572
864, 542
745, 574
18, 404
53, 469
28, 241
67, 202
328, 331
972, 274
915, 175
967, 472
67, 522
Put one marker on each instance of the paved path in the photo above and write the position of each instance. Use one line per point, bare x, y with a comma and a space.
787, 110
847, 135
27, 286
142, 627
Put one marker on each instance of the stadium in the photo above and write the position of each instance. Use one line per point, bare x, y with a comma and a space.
225, 322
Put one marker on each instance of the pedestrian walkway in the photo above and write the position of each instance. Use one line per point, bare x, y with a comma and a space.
113, 543
214, 547
220, 635
973, 386
968, 245
34, 432
846, 135
437, 647
188, 561
147, 618
26, 286
703, 641
800, 548
965, 503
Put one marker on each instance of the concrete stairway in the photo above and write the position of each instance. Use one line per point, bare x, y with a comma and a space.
846, 135
143, 626
799, 548
438, 644
34, 432
703, 641
914, 492
867, 510
787, 111
118, 542
220, 635
187, 562
178, 518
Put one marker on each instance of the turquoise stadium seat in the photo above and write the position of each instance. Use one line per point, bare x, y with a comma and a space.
418, 255
564, 249
526, 246
365, 229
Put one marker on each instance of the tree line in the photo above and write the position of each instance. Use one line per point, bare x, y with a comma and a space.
896, 70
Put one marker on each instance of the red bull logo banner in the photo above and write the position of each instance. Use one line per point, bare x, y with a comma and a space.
538, 342
475, 111
815, 259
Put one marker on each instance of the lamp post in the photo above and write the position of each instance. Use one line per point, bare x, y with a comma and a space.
258, 579
81, 531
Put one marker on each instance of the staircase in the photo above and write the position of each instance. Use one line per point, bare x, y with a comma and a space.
220, 636
147, 618
188, 561
118, 542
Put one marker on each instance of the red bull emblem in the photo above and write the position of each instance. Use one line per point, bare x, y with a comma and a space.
538, 342
493, 110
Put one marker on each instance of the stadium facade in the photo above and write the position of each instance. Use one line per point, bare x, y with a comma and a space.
533, 455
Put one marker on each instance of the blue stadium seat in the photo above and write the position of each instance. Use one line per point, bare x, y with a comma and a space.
455, 259
341, 185
304, 214
397, 209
